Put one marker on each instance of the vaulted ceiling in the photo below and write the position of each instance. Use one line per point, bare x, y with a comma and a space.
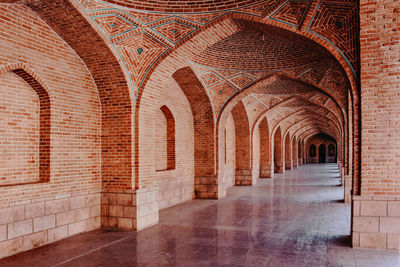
284, 59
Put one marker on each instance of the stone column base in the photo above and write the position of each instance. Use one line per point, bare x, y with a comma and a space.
243, 177
206, 187
376, 222
342, 176
294, 163
288, 166
265, 171
130, 210
348, 183
279, 168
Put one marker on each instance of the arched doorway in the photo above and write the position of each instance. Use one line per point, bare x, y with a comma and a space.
322, 154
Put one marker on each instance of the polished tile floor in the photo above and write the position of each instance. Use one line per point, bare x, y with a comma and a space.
295, 219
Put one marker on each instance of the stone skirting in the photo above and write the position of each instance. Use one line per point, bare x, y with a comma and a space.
348, 183
294, 163
288, 165
279, 168
206, 187
31, 224
376, 222
243, 177
265, 171
299, 162
133, 210
342, 176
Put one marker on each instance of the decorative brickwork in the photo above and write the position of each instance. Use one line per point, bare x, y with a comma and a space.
135, 106
175, 25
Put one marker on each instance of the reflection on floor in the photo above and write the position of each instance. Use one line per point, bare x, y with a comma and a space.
295, 219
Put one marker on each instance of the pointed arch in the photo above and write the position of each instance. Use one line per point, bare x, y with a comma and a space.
41, 90
166, 157
204, 133
111, 83
243, 174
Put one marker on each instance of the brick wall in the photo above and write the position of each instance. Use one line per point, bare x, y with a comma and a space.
19, 131
207, 158
380, 83
317, 141
174, 185
160, 140
376, 213
36, 212
288, 152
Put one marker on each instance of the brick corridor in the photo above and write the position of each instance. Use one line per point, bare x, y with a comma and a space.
295, 219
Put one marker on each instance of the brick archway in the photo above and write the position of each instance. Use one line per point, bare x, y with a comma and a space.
204, 139
111, 83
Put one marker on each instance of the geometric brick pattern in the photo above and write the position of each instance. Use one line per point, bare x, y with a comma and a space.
292, 12
337, 23
174, 31
191, 6
210, 79
219, 94
314, 75
90, 5
114, 25
145, 18
261, 9
223, 84
242, 80
172, 25
138, 51
336, 82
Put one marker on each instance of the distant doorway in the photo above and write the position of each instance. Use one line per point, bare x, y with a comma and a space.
322, 154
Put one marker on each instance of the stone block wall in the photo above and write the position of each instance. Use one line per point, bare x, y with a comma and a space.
129, 211
32, 223
376, 222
